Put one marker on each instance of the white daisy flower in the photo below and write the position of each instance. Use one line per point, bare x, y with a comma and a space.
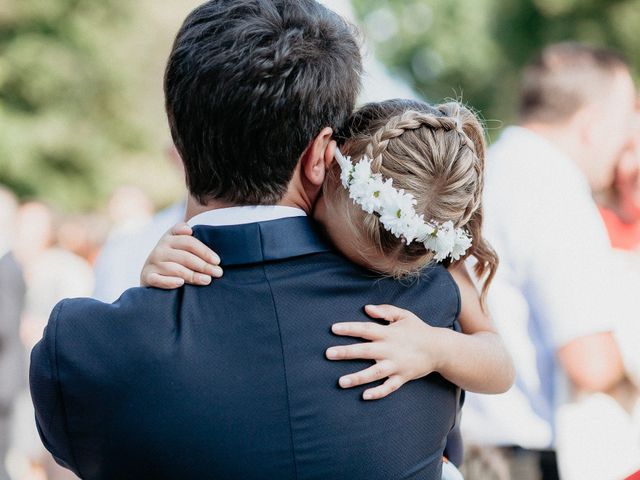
360, 177
396, 210
346, 168
371, 199
442, 242
424, 230
462, 244
412, 229
345, 176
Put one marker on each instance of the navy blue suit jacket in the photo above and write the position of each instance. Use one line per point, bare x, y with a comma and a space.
230, 381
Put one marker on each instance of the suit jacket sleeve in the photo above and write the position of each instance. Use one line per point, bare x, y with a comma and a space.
46, 393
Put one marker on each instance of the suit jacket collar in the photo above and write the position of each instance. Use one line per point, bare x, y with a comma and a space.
263, 241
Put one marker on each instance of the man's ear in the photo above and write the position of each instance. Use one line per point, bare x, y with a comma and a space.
318, 158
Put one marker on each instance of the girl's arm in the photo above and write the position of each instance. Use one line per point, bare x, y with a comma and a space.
485, 365
406, 349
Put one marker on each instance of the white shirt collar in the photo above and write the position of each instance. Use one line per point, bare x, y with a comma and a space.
246, 214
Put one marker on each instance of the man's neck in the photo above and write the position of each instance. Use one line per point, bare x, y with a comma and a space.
561, 139
564, 139
194, 207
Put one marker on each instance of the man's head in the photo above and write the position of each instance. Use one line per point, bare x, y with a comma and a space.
249, 86
586, 95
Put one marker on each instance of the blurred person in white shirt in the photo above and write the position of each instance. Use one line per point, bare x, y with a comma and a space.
12, 298
122, 257
52, 273
557, 299
120, 261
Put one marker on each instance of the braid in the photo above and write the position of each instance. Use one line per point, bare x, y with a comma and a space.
413, 120
449, 117
398, 125
454, 111
465, 119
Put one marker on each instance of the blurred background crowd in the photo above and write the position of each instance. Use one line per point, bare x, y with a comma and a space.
89, 179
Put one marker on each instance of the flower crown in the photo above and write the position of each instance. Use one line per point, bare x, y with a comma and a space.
396, 213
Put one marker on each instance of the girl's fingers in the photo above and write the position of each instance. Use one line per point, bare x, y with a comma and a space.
160, 281
195, 246
181, 229
193, 263
366, 330
364, 351
171, 269
372, 374
387, 312
392, 384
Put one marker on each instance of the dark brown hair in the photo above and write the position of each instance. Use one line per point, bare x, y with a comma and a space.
249, 84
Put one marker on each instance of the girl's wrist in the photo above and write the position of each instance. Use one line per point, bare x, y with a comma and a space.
441, 347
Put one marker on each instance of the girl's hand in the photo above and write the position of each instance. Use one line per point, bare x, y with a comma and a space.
404, 350
179, 258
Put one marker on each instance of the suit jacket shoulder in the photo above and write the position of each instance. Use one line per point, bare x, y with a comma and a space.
87, 342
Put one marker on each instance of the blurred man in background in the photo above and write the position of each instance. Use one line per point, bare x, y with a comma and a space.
557, 299
12, 298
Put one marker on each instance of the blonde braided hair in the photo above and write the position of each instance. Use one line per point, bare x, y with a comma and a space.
434, 153
413, 120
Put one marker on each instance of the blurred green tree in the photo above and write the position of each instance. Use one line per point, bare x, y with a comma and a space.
59, 98
80, 80
73, 118
475, 49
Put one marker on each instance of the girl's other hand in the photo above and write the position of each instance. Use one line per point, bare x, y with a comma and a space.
180, 258
404, 350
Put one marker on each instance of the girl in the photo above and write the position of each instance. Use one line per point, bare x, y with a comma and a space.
405, 191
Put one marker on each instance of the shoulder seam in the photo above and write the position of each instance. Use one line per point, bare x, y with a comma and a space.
284, 366
458, 296
59, 386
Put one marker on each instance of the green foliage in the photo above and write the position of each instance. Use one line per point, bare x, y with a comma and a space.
475, 49
72, 93
59, 99
80, 80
